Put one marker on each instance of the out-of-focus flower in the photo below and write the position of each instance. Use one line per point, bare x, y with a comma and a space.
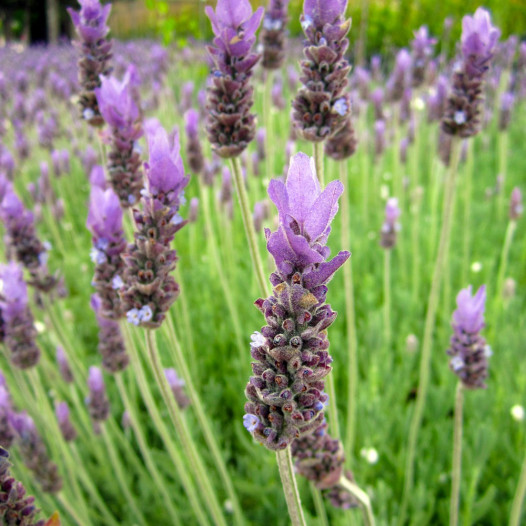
390, 226
273, 34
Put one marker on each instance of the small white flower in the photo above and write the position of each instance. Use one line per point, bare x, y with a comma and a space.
306, 23
133, 316
176, 219
116, 282
341, 107
97, 256
457, 363
88, 114
488, 353
476, 266
460, 117
258, 340
131, 199
518, 413
39, 326
146, 313
369, 454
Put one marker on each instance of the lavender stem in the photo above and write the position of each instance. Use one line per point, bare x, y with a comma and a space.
145, 450
350, 316
362, 497
387, 298
318, 504
503, 158
184, 435
432, 306
468, 185
457, 457
503, 264
318, 161
290, 488
249, 225
515, 516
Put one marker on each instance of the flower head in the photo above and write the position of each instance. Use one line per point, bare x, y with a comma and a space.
90, 21
105, 214
116, 102
321, 12
469, 316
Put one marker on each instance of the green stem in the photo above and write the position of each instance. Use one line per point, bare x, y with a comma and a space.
318, 162
288, 480
350, 317
466, 230
145, 450
503, 159
361, 497
457, 458
182, 430
387, 297
333, 410
249, 225
318, 504
267, 116
515, 516
503, 265
168, 441
119, 474
447, 212
204, 424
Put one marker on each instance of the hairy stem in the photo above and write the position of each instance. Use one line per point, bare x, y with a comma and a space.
361, 497
457, 458
292, 496
515, 516
318, 161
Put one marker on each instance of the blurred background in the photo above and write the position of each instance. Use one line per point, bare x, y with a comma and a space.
378, 25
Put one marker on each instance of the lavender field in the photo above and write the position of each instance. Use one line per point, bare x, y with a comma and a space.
186, 229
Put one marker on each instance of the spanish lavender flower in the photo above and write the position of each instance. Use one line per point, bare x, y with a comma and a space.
363, 81
23, 243
64, 423
34, 454
231, 126
292, 78
20, 332
506, 105
149, 288
291, 359
342, 144
111, 344
177, 386
63, 365
322, 103
97, 177
437, 99
379, 139
468, 350
105, 224
516, 207
261, 135
97, 400
15, 507
273, 34
479, 37
89, 159
7, 434
95, 53
319, 457
377, 98
422, 48
391, 226
400, 77
194, 151
118, 108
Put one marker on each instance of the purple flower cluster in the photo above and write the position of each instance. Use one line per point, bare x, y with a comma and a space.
479, 37
118, 107
64, 423
391, 226
177, 386
286, 393
194, 151
273, 34
149, 289
231, 126
95, 53
468, 350
15, 506
422, 51
322, 104
34, 454
19, 329
105, 224
97, 400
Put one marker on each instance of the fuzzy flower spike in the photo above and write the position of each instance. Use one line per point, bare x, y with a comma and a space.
469, 352
286, 393
479, 38
231, 126
273, 34
322, 104
95, 53
149, 289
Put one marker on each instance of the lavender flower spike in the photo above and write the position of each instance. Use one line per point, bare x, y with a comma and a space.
120, 111
20, 332
273, 34
291, 359
322, 104
97, 401
149, 288
468, 350
516, 207
194, 151
95, 53
391, 226
479, 37
177, 386
105, 224
66, 427
231, 126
